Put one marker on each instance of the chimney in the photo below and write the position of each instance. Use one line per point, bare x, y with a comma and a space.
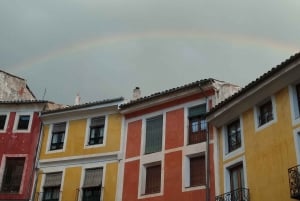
136, 93
77, 99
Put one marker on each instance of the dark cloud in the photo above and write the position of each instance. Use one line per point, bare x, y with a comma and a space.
233, 40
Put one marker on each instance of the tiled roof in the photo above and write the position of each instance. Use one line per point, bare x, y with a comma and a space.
23, 101
256, 82
84, 105
166, 92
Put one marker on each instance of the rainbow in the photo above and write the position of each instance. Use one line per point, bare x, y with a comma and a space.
237, 39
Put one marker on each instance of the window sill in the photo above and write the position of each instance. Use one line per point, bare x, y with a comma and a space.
150, 195
193, 188
261, 127
90, 146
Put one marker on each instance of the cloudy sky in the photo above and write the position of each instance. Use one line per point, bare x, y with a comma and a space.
104, 48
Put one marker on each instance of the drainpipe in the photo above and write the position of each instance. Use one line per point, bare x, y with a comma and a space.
38, 149
207, 153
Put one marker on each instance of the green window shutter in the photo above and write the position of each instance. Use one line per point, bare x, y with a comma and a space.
154, 134
197, 110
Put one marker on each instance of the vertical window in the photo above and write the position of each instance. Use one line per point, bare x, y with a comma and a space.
3, 118
197, 124
197, 171
265, 113
234, 136
154, 128
23, 122
153, 179
12, 176
52, 186
91, 189
58, 135
237, 177
96, 130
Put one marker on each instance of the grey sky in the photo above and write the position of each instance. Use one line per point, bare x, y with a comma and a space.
104, 48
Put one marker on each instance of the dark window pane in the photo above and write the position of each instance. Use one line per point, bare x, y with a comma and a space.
51, 193
265, 113
154, 134
23, 122
197, 171
2, 121
234, 135
153, 177
12, 176
58, 136
91, 194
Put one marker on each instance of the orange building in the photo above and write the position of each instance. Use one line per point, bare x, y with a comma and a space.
167, 151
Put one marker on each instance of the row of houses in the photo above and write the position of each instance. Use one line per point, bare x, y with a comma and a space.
207, 140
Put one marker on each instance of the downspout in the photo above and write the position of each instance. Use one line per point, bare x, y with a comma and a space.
38, 149
207, 153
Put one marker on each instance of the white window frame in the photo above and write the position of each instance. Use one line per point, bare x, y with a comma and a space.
228, 166
294, 105
16, 122
240, 150
257, 113
142, 178
3, 165
50, 138
186, 172
6, 121
90, 166
49, 171
87, 133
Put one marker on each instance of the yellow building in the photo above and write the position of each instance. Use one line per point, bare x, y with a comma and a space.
79, 153
257, 138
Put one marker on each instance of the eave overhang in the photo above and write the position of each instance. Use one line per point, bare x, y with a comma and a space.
246, 99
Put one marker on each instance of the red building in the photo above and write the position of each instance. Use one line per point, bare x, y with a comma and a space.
19, 136
168, 155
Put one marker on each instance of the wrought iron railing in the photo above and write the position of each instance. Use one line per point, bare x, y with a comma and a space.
93, 196
39, 196
294, 180
240, 194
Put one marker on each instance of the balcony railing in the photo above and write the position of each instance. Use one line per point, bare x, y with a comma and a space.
39, 196
240, 194
294, 180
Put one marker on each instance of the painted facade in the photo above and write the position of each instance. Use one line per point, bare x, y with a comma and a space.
19, 135
79, 152
257, 138
166, 149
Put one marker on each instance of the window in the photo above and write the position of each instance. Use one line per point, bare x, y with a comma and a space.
298, 97
12, 176
96, 134
91, 189
197, 171
3, 118
154, 127
153, 179
52, 186
23, 122
234, 136
265, 113
58, 135
197, 124
237, 177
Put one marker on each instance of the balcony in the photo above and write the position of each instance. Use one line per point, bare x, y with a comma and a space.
294, 180
197, 132
240, 194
